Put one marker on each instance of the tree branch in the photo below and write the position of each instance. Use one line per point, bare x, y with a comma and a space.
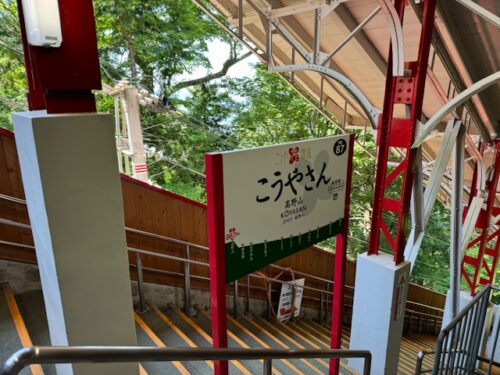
12, 49
221, 73
12, 104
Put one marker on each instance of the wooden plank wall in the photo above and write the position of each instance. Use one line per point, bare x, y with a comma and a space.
157, 211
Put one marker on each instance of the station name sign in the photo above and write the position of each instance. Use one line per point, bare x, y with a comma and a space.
281, 199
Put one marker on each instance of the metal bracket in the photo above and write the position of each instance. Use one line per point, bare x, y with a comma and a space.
404, 90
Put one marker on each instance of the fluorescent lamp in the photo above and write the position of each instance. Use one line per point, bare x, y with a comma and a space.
42, 21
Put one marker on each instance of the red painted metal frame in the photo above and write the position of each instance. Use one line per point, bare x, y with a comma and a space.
216, 255
393, 132
60, 79
488, 238
217, 261
340, 267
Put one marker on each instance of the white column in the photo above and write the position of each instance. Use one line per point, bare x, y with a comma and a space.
378, 311
132, 116
72, 186
457, 197
464, 298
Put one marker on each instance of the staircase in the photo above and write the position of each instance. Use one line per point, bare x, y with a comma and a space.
23, 323
13, 332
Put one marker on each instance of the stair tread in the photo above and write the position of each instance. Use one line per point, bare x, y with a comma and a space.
172, 339
196, 331
10, 341
280, 365
32, 307
153, 368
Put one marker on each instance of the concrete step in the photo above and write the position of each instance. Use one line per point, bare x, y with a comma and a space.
234, 341
146, 337
172, 336
23, 323
203, 339
13, 332
239, 333
295, 366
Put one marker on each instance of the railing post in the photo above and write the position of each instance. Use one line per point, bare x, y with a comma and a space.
420, 359
367, 368
268, 366
321, 306
269, 302
140, 283
493, 349
235, 299
328, 316
247, 309
187, 284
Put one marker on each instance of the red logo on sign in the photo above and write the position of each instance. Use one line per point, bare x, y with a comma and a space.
233, 233
294, 154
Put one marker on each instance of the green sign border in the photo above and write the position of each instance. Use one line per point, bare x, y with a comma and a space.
242, 261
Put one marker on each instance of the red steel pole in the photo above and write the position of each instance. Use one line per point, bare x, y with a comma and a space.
394, 132
340, 267
216, 255
483, 224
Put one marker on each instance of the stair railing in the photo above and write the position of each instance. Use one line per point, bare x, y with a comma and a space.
119, 354
323, 301
459, 343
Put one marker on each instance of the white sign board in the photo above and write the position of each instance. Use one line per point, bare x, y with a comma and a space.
281, 199
285, 304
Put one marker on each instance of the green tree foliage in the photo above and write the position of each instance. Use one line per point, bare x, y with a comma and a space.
271, 112
154, 43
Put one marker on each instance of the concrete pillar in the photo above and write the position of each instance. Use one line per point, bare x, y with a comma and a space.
72, 186
487, 336
493, 350
464, 299
378, 311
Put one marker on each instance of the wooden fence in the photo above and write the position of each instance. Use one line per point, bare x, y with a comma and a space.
161, 212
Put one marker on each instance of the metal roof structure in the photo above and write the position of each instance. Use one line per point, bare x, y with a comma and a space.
354, 41
424, 75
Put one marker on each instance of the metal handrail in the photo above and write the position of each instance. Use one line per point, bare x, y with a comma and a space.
165, 256
187, 261
116, 354
165, 238
426, 306
199, 263
466, 329
190, 261
420, 360
171, 257
128, 229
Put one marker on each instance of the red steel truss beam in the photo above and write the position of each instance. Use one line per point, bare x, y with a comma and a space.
396, 132
488, 238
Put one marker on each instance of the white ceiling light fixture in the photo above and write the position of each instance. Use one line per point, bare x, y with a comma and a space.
42, 22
